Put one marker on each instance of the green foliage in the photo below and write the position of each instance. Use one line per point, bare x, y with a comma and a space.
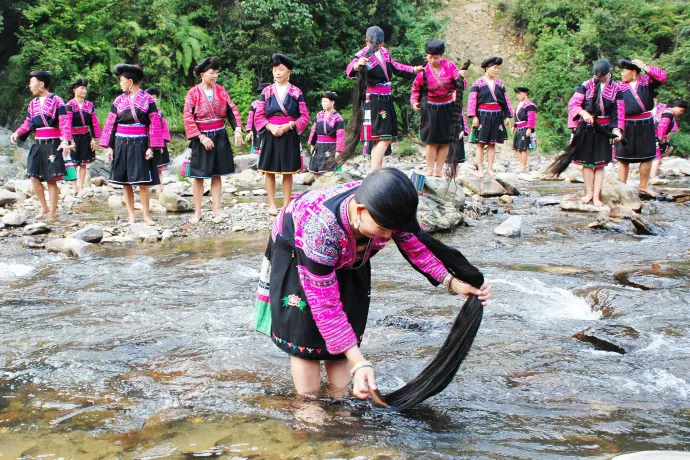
85, 38
567, 36
405, 148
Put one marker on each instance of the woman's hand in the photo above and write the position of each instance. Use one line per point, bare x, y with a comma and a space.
417, 107
465, 290
14, 138
639, 63
275, 130
362, 61
94, 144
363, 381
528, 132
238, 137
586, 117
475, 122
618, 133
72, 146
248, 137
206, 142
463, 73
419, 68
65, 148
149, 154
108, 154
513, 129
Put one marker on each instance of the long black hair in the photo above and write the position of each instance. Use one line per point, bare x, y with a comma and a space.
392, 200
455, 149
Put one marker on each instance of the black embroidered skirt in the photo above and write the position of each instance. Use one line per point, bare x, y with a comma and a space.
522, 142
280, 155
130, 166
162, 158
83, 155
492, 129
323, 152
595, 151
641, 138
219, 161
437, 120
293, 328
45, 161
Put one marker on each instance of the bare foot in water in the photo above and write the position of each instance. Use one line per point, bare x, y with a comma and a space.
597, 202
587, 198
272, 211
194, 220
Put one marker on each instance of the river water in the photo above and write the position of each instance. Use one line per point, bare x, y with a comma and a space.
148, 352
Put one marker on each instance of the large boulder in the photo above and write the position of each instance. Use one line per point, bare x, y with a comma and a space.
436, 215
614, 191
100, 168
330, 180
248, 161
7, 197
24, 185
180, 188
674, 166
446, 189
511, 227
509, 181
574, 203
14, 219
486, 186
176, 165
90, 234
613, 337
70, 246
173, 202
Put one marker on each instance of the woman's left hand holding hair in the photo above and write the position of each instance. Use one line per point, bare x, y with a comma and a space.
465, 290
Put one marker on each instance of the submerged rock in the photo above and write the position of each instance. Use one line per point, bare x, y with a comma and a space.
511, 227
90, 234
644, 226
70, 246
614, 337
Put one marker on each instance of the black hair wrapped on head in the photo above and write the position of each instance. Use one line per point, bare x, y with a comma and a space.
330, 95
522, 89
154, 91
679, 102
392, 200
491, 61
601, 68
375, 36
261, 86
44, 76
626, 63
129, 71
278, 59
212, 62
78, 82
435, 46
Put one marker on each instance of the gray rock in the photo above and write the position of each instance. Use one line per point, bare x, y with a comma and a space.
573, 203
511, 227
217, 219
613, 337
117, 240
14, 219
436, 215
509, 182
180, 188
39, 228
7, 197
141, 231
31, 243
330, 180
70, 246
100, 168
166, 235
548, 201
614, 191
243, 162
644, 226
446, 189
91, 234
674, 166
678, 194
99, 181
485, 186
24, 185
174, 202
259, 192
115, 201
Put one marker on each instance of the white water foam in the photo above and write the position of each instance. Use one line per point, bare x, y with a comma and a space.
11, 271
551, 301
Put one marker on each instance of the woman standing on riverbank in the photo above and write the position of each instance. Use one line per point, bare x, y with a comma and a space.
433, 93
595, 101
161, 157
327, 137
315, 283
379, 123
206, 108
488, 105
85, 131
281, 117
638, 93
666, 124
131, 133
524, 128
49, 118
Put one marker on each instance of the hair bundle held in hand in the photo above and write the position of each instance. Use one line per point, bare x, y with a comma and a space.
455, 148
442, 369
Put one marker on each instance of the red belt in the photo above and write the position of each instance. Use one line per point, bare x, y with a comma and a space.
128, 130
603, 121
280, 120
641, 116
210, 125
47, 133
80, 130
490, 107
382, 90
521, 124
441, 99
325, 139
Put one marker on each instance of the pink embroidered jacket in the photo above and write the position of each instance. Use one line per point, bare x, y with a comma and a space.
440, 88
330, 246
165, 130
641, 100
331, 129
666, 123
483, 98
250, 115
292, 107
613, 107
526, 113
379, 70
85, 117
197, 108
53, 114
138, 110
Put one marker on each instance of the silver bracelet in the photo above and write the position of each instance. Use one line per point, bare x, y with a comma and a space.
360, 365
446, 282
